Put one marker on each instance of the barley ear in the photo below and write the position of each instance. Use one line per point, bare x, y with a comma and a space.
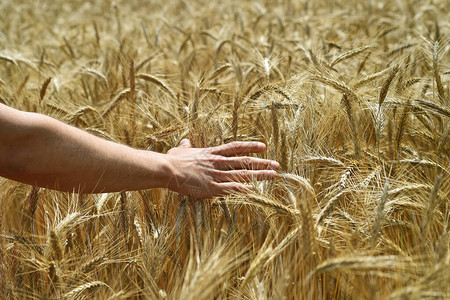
428, 218
385, 87
379, 214
124, 213
32, 200
437, 77
275, 129
44, 89
55, 246
234, 124
401, 128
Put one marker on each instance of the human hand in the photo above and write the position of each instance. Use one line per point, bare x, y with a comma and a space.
214, 171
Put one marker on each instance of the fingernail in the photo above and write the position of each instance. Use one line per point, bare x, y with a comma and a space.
261, 146
275, 165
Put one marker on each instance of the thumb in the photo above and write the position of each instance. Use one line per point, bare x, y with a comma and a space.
185, 143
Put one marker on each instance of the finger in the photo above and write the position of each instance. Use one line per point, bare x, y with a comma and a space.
185, 143
237, 148
226, 188
244, 175
251, 163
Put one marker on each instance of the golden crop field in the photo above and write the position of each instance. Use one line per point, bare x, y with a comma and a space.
351, 97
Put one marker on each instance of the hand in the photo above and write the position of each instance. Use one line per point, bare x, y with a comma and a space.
209, 172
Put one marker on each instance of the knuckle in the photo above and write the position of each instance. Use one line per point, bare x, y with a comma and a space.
246, 161
215, 173
221, 159
243, 174
227, 164
233, 185
236, 186
215, 186
266, 173
214, 159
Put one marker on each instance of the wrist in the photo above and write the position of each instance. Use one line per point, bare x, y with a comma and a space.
171, 174
158, 170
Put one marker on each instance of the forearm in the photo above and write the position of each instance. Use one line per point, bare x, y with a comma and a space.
45, 152
42, 151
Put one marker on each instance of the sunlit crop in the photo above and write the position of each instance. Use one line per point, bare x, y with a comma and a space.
351, 97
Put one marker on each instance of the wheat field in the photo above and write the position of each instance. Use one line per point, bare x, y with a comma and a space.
351, 97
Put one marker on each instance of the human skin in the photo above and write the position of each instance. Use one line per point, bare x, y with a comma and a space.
38, 150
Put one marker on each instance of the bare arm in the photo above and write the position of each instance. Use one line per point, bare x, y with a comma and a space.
42, 151
39, 150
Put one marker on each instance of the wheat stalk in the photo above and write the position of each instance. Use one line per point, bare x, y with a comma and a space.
379, 214
428, 218
56, 249
384, 89
369, 78
348, 54
115, 101
84, 288
437, 77
43, 89
158, 82
303, 182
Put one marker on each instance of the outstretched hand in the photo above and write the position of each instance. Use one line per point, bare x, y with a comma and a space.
214, 171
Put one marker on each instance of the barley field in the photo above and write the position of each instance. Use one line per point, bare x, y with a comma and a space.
351, 97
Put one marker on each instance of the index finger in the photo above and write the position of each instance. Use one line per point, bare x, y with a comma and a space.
237, 148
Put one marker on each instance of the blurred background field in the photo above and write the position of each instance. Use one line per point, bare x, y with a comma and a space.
351, 97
